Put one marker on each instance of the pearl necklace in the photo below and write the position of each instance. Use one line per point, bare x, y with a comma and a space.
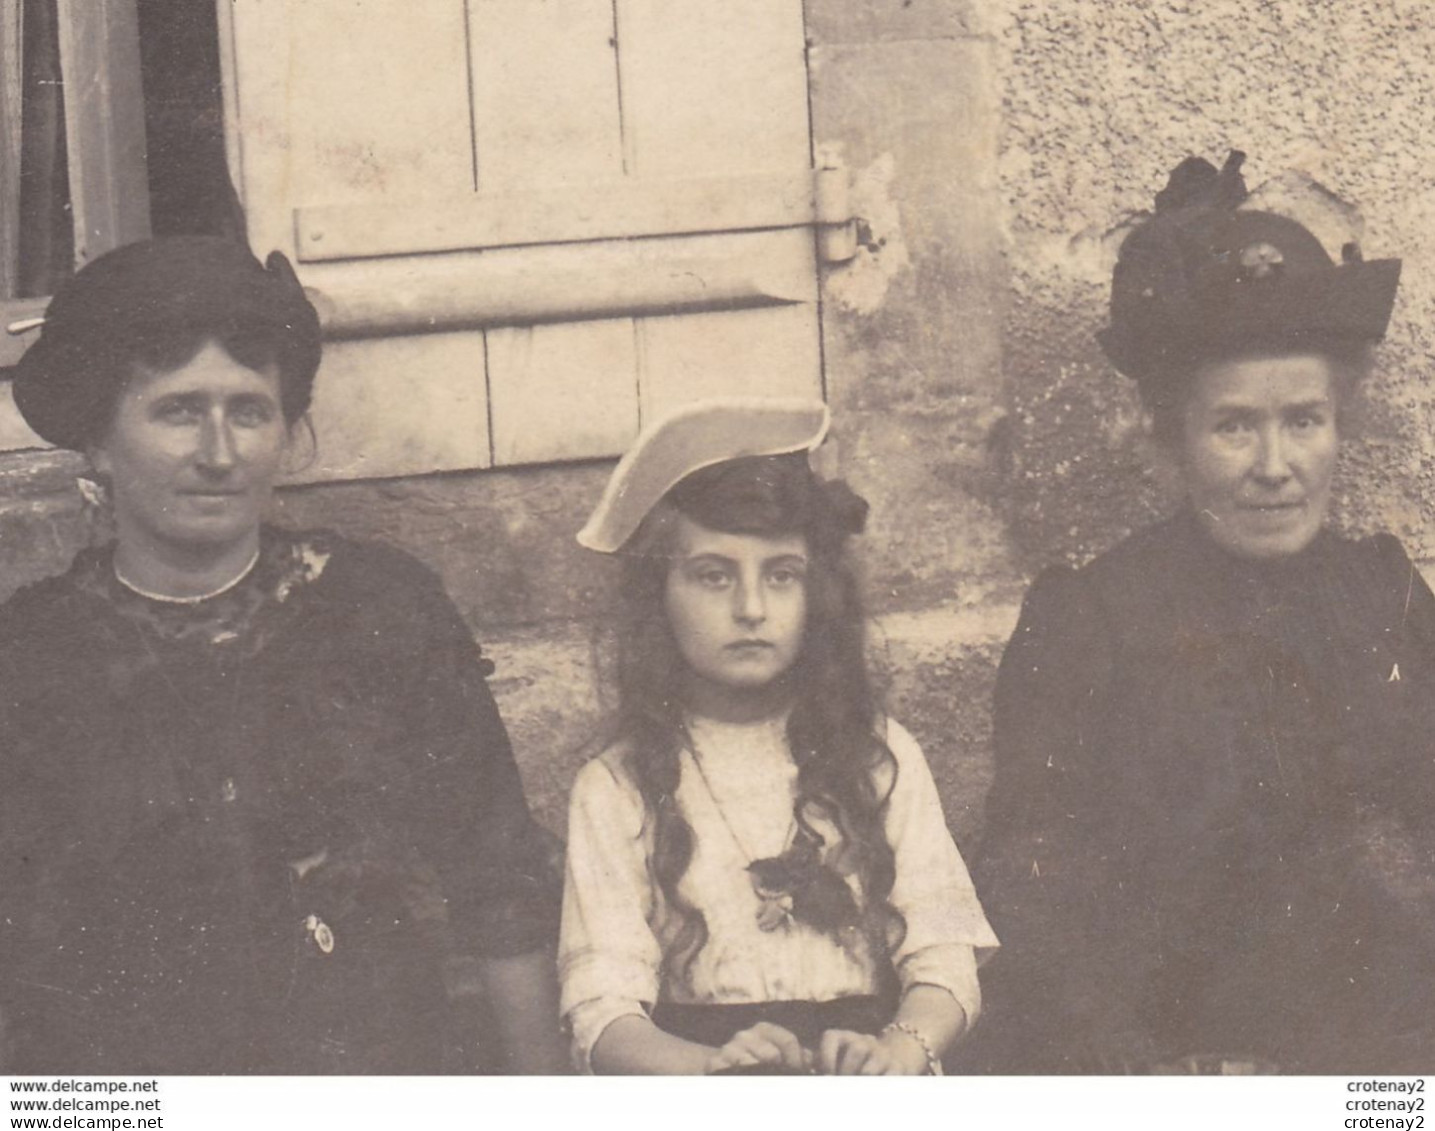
168, 600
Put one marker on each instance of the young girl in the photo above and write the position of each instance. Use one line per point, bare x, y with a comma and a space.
759, 873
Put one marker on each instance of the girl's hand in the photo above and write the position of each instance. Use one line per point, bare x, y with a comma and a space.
842, 1053
764, 1043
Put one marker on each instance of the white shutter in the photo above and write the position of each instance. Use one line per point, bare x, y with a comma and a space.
528, 223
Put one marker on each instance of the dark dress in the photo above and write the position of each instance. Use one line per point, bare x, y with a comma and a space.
1212, 823
246, 835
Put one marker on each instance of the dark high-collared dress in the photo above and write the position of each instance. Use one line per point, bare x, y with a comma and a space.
245, 835
1212, 829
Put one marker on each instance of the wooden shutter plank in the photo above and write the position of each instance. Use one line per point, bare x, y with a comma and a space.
712, 88
345, 101
563, 392
255, 35
564, 282
383, 89
545, 92
397, 406
361, 101
616, 209
718, 90
771, 352
546, 112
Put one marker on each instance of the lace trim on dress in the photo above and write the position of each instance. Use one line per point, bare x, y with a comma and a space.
288, 562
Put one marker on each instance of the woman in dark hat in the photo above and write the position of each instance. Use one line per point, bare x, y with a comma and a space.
254, 790
1211, 830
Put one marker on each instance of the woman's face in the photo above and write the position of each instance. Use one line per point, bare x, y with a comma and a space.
1259, 447
737, 604
193, 453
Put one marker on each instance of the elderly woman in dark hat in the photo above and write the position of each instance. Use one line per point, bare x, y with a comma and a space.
254, 791
1211, 830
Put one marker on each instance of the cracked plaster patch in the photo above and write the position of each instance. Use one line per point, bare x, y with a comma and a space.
860, 286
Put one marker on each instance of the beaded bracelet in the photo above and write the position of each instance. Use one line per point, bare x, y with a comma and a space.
934, 1063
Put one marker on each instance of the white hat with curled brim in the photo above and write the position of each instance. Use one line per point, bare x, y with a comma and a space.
693, 437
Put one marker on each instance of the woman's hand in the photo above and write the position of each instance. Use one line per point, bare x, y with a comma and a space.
894, 1053
765, 1043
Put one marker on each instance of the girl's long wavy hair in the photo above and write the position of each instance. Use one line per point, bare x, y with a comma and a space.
845, 769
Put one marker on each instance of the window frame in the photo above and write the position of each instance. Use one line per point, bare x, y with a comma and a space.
104, 142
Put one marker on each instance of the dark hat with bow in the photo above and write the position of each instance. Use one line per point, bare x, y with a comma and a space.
116, 308
1204, 277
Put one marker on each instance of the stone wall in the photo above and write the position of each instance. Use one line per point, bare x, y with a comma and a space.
999, 149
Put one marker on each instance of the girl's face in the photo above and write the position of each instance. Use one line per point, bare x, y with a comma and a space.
737, 605
1258, 450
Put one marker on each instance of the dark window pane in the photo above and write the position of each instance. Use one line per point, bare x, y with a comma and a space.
190, 190
47, 246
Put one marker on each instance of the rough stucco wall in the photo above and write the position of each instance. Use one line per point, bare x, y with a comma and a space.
1334, 103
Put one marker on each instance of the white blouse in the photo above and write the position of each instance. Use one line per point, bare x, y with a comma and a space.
740, 806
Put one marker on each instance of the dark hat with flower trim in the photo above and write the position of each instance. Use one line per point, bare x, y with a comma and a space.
1204, 277
101, 318
691, 439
